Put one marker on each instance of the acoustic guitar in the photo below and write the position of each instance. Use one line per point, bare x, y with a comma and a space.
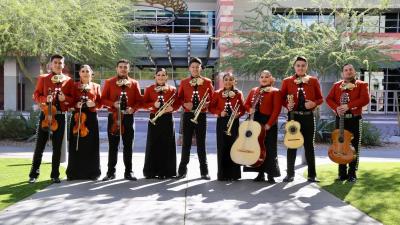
249, 149
293, 138
341, 151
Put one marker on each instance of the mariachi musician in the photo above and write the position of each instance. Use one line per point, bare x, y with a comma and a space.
121, 95
84, 153
357, 91
161, 99
266, 113
227, 103
307, 96
54, 94
195, 93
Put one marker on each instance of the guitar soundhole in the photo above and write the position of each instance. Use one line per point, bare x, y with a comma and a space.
292, 130
248, 133
341, 139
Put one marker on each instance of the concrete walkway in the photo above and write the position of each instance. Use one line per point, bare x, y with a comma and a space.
188, 201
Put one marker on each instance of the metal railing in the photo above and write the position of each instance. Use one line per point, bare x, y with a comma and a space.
383, 102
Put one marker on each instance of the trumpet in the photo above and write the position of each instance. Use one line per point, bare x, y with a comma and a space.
231, 120
162, 109
197, 111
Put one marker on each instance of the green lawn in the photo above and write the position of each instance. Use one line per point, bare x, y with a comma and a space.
13, 180
376, 192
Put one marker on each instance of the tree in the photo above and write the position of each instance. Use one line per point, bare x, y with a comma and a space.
271, 41
86, 31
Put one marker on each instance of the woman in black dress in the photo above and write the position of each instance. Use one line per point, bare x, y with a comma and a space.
266, 112
160, 158
84, 156
223, 104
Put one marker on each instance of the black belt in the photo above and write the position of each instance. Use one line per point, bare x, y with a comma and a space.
123, 113
305, 113
351, 116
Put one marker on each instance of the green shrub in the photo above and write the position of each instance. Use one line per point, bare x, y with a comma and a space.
370, 135
14, 126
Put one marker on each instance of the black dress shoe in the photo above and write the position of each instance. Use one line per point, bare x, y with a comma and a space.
56, 180
94, 178
205, 177
108, 177
352, 179
162, 177
271, 180
130, 177
288, 179
181, 176
32, 180
260, 178
341, 178
313, 180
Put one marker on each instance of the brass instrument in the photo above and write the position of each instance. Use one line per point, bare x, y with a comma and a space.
162, 109
200, 107
232, 119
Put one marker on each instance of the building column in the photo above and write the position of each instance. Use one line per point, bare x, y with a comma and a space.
10, 84
224, 29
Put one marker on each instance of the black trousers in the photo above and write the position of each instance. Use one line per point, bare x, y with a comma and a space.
200, 129
113, 142
41, 140
227, 169
307, 129
354, 125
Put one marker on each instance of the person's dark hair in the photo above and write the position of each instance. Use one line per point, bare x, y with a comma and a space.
56, 56
347, 64
300, 58
123, 61
228, 74
195, 60
161, 69
86, 65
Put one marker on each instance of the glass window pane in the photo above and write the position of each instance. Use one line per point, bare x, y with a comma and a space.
146, 13
199, 22
391, 30
164, 29
200, 30
391, 16
146, 29
308, 20
390, 23
183, 29
181, 21
198, 14
327, 19
164, 14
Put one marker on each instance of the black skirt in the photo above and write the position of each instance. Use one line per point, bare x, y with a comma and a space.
227, 169
270, 164
84, 163
160, 158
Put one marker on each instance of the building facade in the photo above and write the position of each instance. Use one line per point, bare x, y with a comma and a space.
203, 31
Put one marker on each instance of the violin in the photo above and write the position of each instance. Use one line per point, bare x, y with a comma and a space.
118, 116
116, 127
80, 126
49, 112
80, 119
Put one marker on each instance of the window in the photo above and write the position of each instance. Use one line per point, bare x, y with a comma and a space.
198, 22
309, 18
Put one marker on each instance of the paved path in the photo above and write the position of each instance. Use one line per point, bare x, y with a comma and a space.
188, 201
